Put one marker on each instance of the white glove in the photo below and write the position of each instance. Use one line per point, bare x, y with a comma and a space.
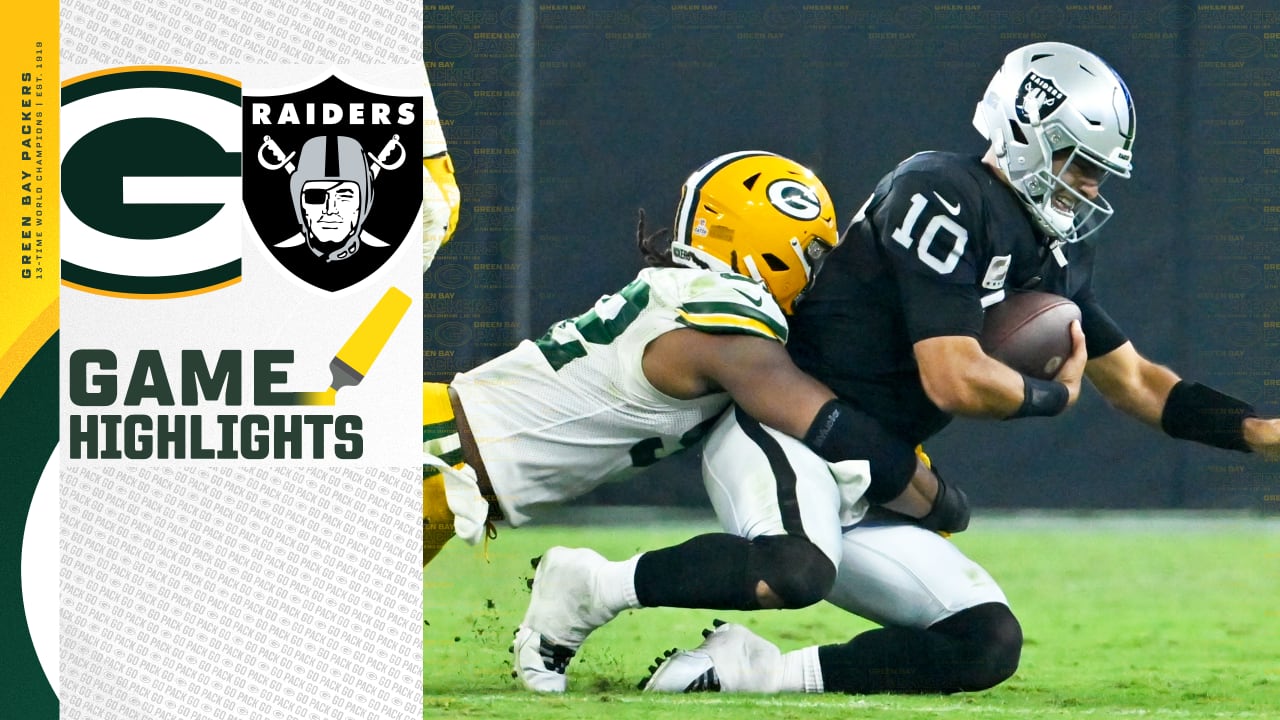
470, 509
852, 477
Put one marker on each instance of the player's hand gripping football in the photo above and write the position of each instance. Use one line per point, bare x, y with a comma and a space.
1072, 371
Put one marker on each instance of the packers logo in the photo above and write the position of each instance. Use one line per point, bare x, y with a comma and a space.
327, 186
150, 182
794, 199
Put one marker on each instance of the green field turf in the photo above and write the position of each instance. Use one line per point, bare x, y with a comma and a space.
1131, 616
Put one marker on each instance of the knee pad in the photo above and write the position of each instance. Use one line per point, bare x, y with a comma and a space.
794, 568
990, 642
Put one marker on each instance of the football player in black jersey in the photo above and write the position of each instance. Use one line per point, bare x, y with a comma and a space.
943, 237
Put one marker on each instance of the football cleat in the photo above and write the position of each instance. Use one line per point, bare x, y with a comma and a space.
540, 663
730, 659
563, 609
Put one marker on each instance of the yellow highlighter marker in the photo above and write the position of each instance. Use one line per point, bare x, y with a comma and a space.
352, 362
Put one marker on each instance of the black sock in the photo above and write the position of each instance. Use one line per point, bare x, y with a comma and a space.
974, 649
708, 571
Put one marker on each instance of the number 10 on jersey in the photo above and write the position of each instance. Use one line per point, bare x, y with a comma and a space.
904, 235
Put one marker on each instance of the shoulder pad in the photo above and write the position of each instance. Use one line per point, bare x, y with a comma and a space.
947, 184
732, 304
931, 217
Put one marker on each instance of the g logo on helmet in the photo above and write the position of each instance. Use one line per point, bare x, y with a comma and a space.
794, 199
150, 182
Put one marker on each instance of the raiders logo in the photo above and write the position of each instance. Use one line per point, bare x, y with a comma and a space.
330, 178
1037, 94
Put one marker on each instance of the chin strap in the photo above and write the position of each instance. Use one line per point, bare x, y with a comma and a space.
1055, 247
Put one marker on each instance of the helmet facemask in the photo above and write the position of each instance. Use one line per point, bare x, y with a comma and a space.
1058, 208
813, 257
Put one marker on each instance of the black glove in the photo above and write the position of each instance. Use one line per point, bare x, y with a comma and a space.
950, 512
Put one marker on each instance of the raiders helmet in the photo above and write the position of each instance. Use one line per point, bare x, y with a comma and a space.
1052, 98
339, 158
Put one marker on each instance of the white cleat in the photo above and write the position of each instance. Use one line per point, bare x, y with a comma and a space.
539, 663
563, 609
730, 659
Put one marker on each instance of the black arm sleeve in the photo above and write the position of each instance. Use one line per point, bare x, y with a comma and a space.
843, 432
1101, 333
1201, 414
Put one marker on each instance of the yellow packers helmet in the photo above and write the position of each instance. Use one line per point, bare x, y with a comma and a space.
756, 214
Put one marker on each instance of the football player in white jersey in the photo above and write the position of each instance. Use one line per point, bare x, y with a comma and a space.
914, 270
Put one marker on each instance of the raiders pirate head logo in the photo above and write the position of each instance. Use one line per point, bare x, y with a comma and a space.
1037, 98
329, 191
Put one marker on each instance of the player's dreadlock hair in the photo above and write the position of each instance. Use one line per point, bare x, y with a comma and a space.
655, 248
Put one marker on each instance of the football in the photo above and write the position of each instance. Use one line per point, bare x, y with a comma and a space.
1030, 332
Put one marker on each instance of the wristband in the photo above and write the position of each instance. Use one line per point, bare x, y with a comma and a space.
1041, 398
1201, 414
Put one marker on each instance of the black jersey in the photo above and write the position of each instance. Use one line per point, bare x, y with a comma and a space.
941, 238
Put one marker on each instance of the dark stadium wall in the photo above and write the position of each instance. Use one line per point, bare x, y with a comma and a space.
563, 120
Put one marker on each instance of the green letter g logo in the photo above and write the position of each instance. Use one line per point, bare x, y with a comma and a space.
151, 167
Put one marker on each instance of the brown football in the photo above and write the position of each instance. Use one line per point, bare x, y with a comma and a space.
1030, 332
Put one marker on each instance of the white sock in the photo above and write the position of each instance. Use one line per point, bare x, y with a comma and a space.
616, 584
801, 671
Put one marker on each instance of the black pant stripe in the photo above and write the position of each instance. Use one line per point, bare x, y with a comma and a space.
783, 474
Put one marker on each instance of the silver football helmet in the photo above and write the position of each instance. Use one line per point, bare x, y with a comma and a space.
1053, 98
337, 158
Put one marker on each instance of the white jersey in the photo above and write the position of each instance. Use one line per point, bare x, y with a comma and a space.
555, 417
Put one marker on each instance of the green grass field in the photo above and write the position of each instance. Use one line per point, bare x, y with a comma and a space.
1124, 616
